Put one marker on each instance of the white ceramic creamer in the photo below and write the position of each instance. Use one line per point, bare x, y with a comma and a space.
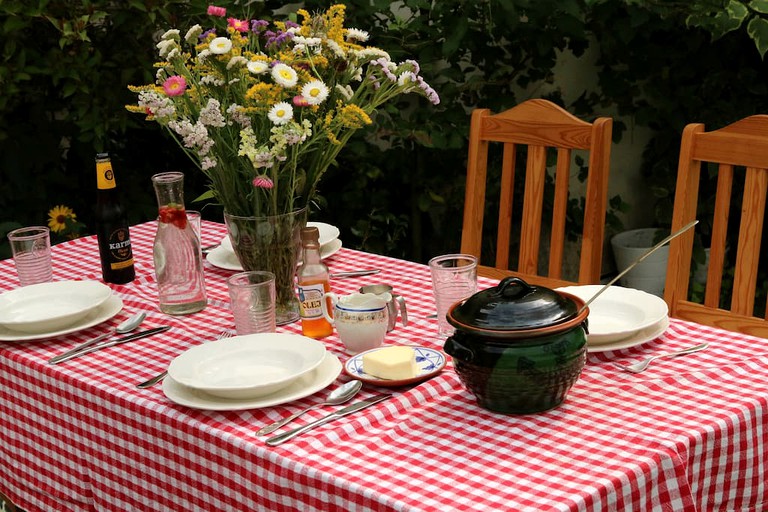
361, 319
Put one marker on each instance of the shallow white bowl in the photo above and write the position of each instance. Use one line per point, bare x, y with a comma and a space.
328, 232
46, 307
618, 312
247, 366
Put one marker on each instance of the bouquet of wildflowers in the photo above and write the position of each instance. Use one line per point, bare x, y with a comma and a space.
263, 109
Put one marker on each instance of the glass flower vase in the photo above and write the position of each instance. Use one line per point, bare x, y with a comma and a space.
271, 243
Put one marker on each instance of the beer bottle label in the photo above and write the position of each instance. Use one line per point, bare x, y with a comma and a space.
311, 300
105, 178
120, 252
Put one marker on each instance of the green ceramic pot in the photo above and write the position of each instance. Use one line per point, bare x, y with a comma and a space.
518, 348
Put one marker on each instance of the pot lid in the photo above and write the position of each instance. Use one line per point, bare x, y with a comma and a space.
513, 305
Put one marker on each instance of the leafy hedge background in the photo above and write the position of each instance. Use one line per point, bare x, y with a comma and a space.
398, 187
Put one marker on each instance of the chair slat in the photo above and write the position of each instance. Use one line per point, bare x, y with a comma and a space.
750, 233
530, 235
505, 206
559, 210
719, 236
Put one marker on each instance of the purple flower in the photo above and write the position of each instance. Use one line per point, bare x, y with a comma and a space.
258, 25
206, 33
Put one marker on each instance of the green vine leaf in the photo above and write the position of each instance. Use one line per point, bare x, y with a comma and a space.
760, 6
758, 31
737, 10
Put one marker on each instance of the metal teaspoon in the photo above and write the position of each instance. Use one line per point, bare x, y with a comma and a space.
124, 327
338, 396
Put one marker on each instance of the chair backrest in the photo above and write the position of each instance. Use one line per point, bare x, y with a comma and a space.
738, 149
541, 126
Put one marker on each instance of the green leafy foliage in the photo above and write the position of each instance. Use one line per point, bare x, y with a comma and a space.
399, 186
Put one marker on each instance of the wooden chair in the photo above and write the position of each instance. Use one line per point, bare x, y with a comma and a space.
738, 149
540, 125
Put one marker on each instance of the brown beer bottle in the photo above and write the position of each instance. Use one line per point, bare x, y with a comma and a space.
112, 226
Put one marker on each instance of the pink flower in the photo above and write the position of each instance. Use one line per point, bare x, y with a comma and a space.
262, 182
300, 101
216, 11
239, 25
175, 86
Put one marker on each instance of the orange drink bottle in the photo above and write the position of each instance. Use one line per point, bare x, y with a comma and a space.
313, 283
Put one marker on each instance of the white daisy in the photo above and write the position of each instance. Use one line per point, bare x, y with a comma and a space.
314, 92
257, 67
405, 79
284, 75
220, 45
354, 34
281, 113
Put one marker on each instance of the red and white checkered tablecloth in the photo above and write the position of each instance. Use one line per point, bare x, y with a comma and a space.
688, 434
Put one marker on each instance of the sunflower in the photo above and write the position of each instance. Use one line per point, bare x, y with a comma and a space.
58, 217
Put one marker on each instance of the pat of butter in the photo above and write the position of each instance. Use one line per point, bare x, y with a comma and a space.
391, 363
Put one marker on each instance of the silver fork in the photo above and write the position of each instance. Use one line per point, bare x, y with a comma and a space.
642, 365
160, 376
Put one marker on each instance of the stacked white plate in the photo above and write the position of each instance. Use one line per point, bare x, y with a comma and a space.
246, 372
224, 256
621, 317
50, 309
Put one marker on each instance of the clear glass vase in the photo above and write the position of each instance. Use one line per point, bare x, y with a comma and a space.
271, 244
177, 255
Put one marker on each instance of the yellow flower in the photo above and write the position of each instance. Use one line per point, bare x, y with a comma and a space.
58, 216
352, 116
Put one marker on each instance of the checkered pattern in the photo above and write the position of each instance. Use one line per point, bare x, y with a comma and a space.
688, 434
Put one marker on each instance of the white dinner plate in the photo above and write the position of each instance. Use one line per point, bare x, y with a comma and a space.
650, 333
247, 366
319, 378
104, 312
430, 363
225, 258
618, 312
328, 232
46, 307
329, 249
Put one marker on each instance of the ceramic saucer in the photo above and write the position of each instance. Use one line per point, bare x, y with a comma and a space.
320, 378
102, 313
429, 361
643, 336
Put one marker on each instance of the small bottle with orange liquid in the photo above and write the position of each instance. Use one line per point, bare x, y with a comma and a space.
313, 283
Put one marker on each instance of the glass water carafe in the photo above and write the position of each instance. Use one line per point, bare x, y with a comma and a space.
177, 254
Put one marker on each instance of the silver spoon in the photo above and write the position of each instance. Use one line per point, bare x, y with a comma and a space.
338, 396
642, 365
125, 326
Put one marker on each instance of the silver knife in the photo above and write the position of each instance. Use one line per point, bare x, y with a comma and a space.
354, 273
357, 406
87, 350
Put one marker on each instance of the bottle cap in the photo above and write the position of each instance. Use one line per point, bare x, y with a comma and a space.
102, 156
310, 234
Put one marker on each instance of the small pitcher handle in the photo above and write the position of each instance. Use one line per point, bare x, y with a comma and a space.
324, 304
403, 310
